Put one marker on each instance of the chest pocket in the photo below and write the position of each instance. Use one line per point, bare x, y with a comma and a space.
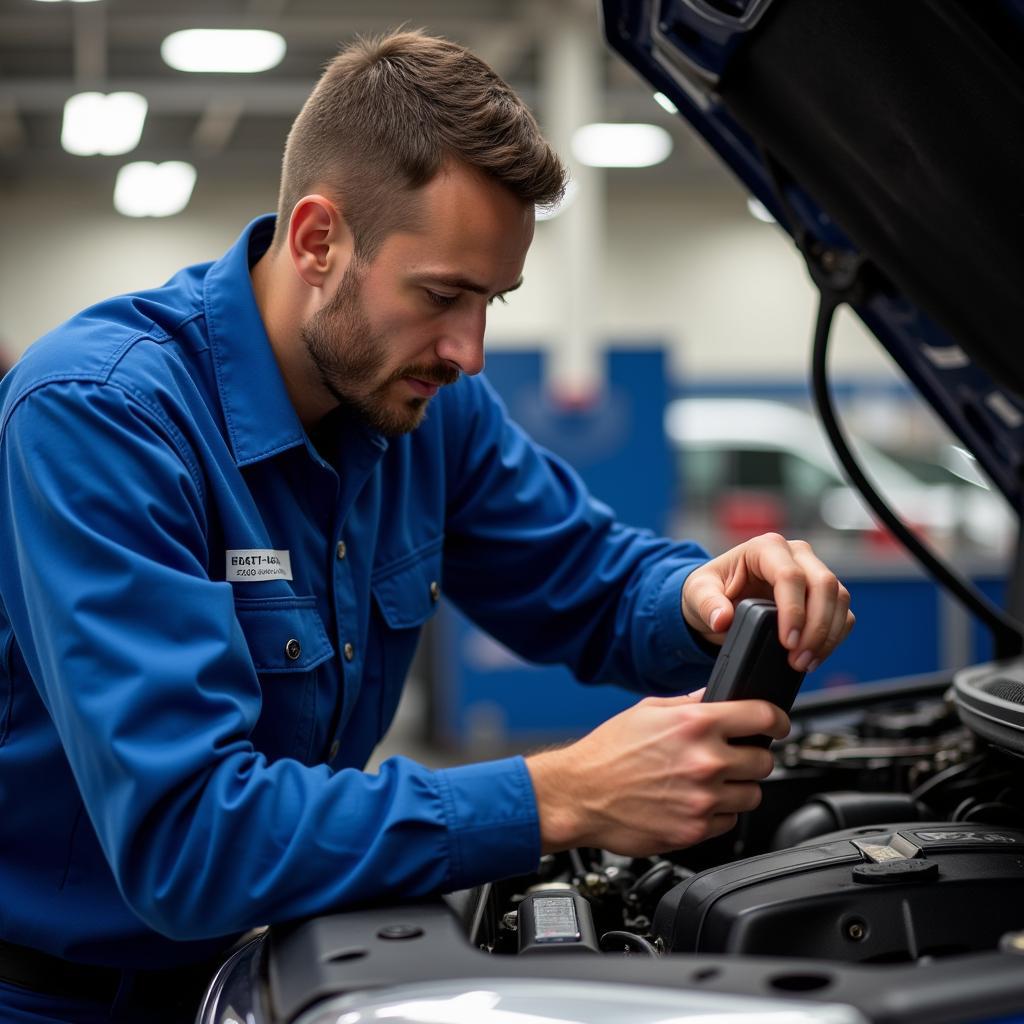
406, 595
287, 642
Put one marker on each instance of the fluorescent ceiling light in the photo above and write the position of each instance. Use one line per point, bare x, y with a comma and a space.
621, 145
73, 1
236, 51
665, 103
105, 125
145, 189
549, 212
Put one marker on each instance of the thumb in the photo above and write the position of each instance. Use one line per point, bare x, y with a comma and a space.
719, 616
705, 608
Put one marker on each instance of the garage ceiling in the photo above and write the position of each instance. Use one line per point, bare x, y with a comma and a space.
231, 124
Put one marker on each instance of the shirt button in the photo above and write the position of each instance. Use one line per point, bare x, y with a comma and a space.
333, 753
293, 649
435, 590
349, 652
340, 549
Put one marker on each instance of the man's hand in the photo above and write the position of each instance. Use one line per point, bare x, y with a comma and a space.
814, 607
659, 776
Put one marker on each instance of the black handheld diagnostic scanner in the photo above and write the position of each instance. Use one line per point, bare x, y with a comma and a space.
752, 663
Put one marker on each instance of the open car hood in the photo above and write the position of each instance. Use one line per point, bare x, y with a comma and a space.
888, 138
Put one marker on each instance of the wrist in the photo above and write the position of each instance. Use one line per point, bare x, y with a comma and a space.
557, 811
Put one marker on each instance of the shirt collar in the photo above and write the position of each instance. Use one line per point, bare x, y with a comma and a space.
261, 420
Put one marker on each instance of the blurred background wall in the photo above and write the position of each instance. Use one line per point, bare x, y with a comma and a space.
679, 256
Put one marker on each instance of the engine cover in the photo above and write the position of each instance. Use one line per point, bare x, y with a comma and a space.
881, 894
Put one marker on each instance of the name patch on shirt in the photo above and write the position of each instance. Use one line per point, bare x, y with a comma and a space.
250, 565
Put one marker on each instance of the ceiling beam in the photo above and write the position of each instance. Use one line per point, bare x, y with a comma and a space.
262, 95
90, 43
169, 95
268, 9
305, 30
217, 124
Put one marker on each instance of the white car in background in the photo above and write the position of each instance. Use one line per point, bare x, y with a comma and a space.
739, 449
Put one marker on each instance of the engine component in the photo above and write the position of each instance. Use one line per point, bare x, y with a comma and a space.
908, 720
881, 894
556, 920
990, 701
627, 943
831, 811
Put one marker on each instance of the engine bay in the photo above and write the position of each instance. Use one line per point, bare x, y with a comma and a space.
880, 880
889, 833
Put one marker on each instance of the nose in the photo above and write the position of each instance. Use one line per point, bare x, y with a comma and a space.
462, 343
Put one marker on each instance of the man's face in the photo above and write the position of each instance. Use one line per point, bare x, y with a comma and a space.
411, 320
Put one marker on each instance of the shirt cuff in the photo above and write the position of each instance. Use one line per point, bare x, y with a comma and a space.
493, 827
677, 643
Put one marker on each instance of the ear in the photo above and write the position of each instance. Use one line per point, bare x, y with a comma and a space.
319, 241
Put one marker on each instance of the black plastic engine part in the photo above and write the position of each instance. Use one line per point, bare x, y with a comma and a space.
990, 702
908, 721
558, 920
954, 888
831, 811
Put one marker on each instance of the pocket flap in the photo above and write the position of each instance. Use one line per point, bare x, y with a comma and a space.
284, 634
408, 592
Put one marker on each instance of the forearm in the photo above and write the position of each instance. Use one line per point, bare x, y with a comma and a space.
266, 843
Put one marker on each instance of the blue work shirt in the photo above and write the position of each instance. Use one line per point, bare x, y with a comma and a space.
208, 615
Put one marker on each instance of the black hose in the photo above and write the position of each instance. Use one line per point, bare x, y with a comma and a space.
1006, 632
651, 882
952, 774
576, 859
627, 942
843, 279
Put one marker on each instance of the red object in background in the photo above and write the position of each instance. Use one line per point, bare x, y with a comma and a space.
881, 541
741, 515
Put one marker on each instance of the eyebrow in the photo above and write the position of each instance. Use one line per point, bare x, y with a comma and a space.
463, 283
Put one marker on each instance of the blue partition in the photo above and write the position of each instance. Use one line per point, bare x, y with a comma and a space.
616, 443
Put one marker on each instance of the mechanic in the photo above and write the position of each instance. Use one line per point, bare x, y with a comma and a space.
229, 505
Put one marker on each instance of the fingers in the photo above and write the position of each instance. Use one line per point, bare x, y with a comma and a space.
814, 607
761, 567
739, 798
811, 633
720, 824
729, 719
736, 718
660, 775
694, 697
751, 763
774, 561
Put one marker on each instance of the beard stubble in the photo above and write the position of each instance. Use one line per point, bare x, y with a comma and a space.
349, 357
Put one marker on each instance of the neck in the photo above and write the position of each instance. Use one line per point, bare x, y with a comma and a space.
281, 310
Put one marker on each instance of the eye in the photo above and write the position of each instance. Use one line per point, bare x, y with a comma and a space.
500, 297
440, 299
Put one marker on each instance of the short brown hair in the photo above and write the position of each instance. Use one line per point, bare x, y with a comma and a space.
386, 114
